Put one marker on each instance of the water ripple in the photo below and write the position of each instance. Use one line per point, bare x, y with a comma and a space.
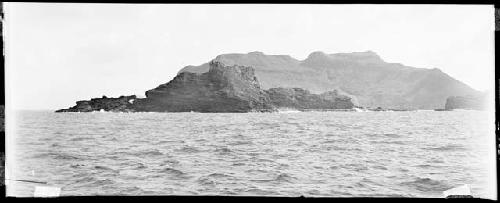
333, 154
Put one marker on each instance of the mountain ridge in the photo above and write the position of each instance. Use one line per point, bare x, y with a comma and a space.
364, 76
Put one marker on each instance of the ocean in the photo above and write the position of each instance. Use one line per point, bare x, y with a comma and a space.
319, 154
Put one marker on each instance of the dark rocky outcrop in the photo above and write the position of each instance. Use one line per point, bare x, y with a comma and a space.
474, 102
364, 76
120, 104
300, 99
221, 89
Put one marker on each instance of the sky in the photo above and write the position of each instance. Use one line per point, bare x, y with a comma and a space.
57, 54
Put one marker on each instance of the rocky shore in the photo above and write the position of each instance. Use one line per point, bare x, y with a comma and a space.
121, 104
222, 89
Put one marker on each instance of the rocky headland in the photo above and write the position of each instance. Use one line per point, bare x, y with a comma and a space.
223, 88
472, 102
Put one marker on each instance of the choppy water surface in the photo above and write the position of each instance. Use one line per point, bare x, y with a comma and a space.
334, 154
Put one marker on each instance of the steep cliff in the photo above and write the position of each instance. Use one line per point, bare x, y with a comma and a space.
221, 89
363, 76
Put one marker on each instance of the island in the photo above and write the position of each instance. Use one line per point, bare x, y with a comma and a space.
256, 82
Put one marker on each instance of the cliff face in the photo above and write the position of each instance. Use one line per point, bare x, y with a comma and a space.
301, 99
476, 102
121, 104
363, 76
221, 89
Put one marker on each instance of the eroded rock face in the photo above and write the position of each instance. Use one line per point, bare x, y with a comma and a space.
121, 104
475, 102
221, 89
301, 99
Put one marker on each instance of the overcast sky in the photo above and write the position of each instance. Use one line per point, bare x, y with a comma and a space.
57, 54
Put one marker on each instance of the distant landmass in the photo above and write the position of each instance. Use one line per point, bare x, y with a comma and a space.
256, 82
364, 76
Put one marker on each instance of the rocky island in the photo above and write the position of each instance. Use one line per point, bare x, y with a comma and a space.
256, 82
221, 89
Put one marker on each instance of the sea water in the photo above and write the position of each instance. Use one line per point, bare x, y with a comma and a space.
326, 154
